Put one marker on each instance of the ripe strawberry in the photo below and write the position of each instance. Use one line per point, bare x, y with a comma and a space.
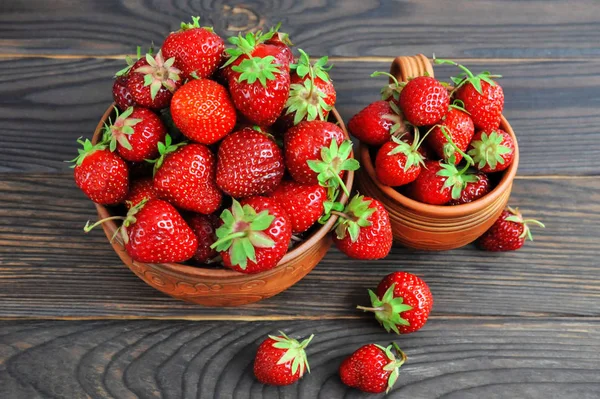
363, 230
152, 81
140, 189
135, 134
254, 236
372, 368
303, 203
492, 152
281, 360
185, 176
508, 233
474, 190
456, 126
402, 303
121, 94
398, 162
100, 174
203, 111
377, 122
249, 163
203, 227
154, 232
424, 101
282, 41
198, 51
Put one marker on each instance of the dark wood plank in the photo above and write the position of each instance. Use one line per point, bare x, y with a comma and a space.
48, 103
448, 358
485, 29
50, 268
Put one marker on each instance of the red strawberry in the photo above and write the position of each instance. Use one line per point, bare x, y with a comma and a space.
457, 126
508, 233
154, 232
121, 94
398, 162
140, 189
198, 51
185, 176
474, 190
100, 174
372, 368
203, 111
282, 41
377, 122
254, 236
492, 152
402, 303
135, 134
303, 203
152, 81
281, 360
203, 227
424, 101
363, 230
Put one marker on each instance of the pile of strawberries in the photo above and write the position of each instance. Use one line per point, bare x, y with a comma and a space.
227, 155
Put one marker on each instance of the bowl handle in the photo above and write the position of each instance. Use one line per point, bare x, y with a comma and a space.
405, 67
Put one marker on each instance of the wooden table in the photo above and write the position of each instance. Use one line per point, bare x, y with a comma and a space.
77, 323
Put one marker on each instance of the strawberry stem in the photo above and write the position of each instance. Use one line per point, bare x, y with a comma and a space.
87, 228
232, 236
342, 215
461, 152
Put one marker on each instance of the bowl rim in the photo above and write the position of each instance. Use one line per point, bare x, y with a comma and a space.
444, 210
199, 271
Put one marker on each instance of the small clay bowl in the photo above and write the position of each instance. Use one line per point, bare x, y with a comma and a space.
434, 227
225, 287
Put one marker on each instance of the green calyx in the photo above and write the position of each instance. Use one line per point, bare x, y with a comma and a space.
159, 73
413, 156
450, 148
355, 215
489, 150
163, 150
283, 37
194, 24
334, 160
319, 69
399, 127
118, 131
391, 90
256, 68
395, 362
130, 61
468, 77
246, 44
456, 179
517, 217
128, 220
388, 310
87, 149
294, 352
241, 232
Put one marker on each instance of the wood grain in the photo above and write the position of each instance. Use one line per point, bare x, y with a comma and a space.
50, 268
50, 102
461, 28
451, 358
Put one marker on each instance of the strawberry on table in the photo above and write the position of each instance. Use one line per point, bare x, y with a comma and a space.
203, 111
198, 51
303, 203
492, 152
398, 162
141, 189
204, 228
508, 233
377, 122
372, 368
281, 360
457, 126
474, 190
254, 236
102, 175
424, 101
249, 163
152, 81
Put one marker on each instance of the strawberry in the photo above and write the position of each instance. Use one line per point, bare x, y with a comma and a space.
203, 111
121, 94
100, 174
281, 360
363, 229
249, 163
303, 203
203, 227
402, 303
154, 232
391, 91
312, 94
508, 233
185, 176
483, 98
372, 368
492, 152
424, 101
152, 81
455, 130
140, 189
398, 162
198, 51
282, 41
254, 236
135, 134
377, 122
474, 190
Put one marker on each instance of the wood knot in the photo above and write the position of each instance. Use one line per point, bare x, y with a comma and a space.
239, 18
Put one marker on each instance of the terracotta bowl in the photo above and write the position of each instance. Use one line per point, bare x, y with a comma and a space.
434, 227
224, 287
